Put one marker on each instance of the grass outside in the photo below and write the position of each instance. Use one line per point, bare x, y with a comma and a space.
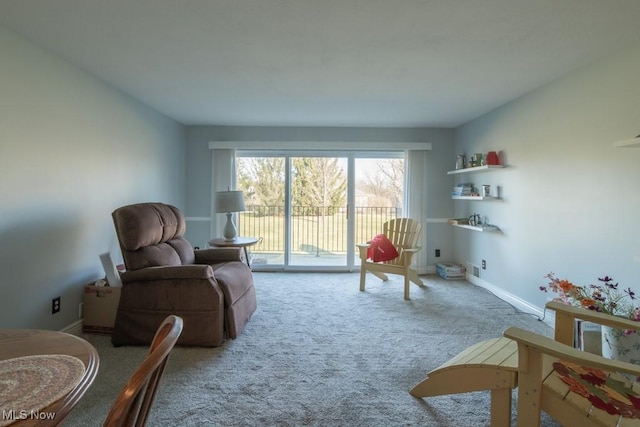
310, 234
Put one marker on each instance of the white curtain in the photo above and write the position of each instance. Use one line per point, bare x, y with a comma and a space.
415, 203
223, 165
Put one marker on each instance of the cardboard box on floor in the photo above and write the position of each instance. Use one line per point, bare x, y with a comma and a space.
100, 304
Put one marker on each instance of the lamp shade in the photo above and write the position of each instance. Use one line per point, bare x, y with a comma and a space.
229, 201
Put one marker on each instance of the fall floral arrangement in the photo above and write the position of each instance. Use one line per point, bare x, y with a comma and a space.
605, 297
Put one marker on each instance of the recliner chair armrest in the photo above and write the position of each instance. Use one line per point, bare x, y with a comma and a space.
168, 273
217, 255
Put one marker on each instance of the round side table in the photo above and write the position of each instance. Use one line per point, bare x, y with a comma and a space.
238, 242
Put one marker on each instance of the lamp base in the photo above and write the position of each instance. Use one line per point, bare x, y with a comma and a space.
230, 231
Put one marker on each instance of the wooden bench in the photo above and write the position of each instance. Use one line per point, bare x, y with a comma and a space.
487, 365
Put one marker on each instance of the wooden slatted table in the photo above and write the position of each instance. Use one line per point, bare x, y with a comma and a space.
488, 365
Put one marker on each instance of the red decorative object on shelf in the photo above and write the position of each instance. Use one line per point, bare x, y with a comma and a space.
492, 158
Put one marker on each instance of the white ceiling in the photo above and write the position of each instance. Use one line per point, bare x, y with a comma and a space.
327, 62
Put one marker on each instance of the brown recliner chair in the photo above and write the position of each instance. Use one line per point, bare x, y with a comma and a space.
211, 289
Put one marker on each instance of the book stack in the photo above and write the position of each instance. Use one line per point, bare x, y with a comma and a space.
448, 270
462, 190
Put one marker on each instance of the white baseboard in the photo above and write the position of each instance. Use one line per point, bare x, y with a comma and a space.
74, 329
549, 318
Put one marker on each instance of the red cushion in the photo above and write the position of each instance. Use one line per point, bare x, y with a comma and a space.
381, 249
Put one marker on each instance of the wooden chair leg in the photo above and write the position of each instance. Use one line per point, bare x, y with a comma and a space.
529, 387
407, 283
501, 407
415, 279
363, 271
380, 275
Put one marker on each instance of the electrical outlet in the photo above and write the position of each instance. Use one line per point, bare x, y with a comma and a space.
80, 310
437, 253
55, 305
484, 264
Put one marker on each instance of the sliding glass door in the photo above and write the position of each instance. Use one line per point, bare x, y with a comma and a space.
309, 209
318, 215
379, 190
263, 181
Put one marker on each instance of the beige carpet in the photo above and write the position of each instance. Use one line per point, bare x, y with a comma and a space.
318, 352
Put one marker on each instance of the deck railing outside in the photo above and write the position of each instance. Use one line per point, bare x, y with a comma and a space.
314, 229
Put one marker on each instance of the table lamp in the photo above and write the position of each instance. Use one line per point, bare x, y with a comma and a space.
229, 202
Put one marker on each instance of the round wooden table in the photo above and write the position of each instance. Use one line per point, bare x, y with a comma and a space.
32, 342
238, 242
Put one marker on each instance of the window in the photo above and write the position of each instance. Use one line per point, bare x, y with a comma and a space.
298, 204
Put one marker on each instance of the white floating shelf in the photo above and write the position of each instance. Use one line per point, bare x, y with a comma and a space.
474, 198
484, 168
628, 143
483, 228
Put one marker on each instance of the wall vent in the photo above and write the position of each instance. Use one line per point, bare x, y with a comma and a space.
472, 269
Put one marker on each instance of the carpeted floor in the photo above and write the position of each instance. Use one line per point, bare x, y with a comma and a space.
318, 352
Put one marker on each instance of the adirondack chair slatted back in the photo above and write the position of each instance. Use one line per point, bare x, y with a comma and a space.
404, 234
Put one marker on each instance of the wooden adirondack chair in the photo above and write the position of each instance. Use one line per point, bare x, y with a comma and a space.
403, 233
574, 387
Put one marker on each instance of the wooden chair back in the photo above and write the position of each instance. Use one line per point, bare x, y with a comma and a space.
574, 387
404, 234
131, 406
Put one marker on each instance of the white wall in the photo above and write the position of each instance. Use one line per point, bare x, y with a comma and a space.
72, 149
570, 203
436, 187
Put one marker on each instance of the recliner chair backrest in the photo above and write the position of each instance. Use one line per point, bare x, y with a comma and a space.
151, 235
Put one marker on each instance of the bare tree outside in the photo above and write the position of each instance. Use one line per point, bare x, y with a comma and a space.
383, 186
